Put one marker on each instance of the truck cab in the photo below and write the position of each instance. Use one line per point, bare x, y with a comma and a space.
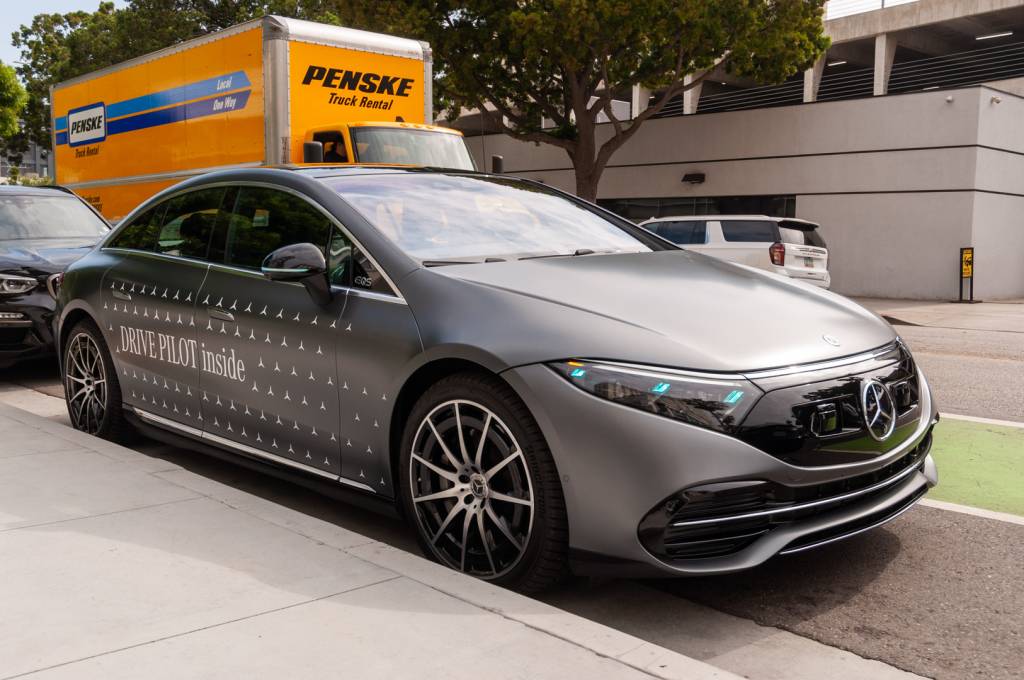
392, 143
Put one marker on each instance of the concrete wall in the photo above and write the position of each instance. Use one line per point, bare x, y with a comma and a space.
894, 181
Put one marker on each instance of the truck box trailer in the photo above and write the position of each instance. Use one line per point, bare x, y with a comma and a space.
250, 95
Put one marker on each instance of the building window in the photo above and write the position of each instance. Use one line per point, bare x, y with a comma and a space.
640, 209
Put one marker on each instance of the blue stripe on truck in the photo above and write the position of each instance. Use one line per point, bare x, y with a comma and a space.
236, 80
173, 114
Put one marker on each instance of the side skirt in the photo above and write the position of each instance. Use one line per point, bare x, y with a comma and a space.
326, 487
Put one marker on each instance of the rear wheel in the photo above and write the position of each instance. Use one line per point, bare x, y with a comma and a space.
91, 388
481, 486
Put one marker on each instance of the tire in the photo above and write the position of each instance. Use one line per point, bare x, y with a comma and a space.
477, 519
86, 363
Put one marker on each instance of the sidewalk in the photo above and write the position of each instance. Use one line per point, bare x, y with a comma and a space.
1007, 316
118, 565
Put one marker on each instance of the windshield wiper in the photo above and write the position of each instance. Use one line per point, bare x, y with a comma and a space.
576, 253
444, 263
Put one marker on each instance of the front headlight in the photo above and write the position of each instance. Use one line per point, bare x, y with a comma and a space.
718, 403
11, 284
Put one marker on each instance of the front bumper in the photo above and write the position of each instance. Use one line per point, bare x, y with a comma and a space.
32, 336
617, 463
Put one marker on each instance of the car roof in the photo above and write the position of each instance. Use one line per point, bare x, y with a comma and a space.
764, 218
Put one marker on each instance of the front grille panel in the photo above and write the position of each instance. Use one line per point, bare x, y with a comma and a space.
813, 424
714, 519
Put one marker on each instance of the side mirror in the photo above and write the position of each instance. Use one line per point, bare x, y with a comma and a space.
497, 164
312, 152
302, 262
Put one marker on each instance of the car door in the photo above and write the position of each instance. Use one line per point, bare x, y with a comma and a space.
745, 242
268, 374
377, 338
149, 303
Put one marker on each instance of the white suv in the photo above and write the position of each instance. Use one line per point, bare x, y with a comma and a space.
782, 245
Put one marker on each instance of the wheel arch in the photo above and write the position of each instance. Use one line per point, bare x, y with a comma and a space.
415, 385
68, 320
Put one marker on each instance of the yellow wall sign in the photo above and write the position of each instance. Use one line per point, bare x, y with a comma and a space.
967, 263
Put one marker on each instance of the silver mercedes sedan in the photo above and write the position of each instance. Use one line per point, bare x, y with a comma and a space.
535, 384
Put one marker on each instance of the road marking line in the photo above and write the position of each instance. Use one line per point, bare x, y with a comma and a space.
977, 512
986, 421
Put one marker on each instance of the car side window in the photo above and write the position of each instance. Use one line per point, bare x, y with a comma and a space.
349, 266
690, 232
267, 219
141, 232
758, 231
189, 222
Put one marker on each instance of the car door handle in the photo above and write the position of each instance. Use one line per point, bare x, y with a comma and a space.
218, 313
121, 295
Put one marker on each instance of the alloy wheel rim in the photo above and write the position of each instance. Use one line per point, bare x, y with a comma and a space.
85, 383
471, 489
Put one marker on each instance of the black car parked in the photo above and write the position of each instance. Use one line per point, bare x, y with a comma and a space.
42, 231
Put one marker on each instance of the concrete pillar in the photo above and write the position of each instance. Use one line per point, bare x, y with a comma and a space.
812, 80
885, 51
691, 97
641, 97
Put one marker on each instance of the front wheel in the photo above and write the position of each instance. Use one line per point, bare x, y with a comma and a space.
481, 486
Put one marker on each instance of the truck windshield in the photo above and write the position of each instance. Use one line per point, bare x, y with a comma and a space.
406, 146
455, 217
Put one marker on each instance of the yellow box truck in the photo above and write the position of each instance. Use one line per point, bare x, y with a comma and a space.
250, 95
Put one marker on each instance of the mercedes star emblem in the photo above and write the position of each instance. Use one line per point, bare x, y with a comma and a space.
879, 409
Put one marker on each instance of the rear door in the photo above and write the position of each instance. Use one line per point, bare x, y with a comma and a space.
268, 371
806, 253
745, 242
149, 302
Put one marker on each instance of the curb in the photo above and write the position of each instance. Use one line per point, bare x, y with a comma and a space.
983, 421
601, 640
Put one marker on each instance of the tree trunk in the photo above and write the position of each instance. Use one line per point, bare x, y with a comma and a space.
587, 181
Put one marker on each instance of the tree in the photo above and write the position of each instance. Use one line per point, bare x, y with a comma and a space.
520, 62
12, 103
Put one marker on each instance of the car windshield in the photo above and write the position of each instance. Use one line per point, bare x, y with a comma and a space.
453, 217
405, 146
24, 216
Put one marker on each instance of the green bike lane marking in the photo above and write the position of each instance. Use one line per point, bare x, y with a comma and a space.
979, 464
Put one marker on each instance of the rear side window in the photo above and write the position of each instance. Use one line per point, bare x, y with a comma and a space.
745, 231
141, 232
683, 233
267, 219
189, 221
802, 235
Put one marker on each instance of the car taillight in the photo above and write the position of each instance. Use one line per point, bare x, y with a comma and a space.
777, 251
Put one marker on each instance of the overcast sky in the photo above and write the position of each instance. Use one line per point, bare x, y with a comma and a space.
14, 13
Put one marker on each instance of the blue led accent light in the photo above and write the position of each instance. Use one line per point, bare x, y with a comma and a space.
734, 397
578, 372
661, 388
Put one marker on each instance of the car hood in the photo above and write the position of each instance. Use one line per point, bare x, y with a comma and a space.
671, 308
42, 256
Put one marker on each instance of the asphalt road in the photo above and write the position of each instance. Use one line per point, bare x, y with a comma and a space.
973, 373
935, 593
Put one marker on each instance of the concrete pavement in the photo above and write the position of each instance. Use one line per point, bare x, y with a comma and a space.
120, 565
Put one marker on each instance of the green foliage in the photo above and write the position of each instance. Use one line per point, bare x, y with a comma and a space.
12, 102
564, 60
